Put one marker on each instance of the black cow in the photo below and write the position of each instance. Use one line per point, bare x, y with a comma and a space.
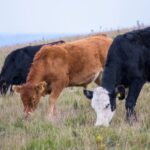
16, 66
127, 64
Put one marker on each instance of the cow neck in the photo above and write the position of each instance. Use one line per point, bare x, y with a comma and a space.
35, 76
111, 77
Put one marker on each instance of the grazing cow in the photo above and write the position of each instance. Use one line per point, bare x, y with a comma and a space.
127, 65
56, 67
16, 66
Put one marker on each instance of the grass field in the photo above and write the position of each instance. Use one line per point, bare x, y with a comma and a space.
73, 128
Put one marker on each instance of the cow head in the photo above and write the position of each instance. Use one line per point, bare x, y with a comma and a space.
104, 103
30, 95
4, 86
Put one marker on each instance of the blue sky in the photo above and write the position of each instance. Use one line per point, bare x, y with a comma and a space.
71, 16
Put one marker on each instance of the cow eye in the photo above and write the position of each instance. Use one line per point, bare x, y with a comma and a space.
107, 106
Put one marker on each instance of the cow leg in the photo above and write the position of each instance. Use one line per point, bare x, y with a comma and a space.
133, 94
52, 101
98, 79
57, 88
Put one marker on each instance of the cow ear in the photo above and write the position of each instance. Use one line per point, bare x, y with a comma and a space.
16, 88
40, 87
88, 94
120, 92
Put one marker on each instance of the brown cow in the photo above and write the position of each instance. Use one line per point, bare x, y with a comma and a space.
56, 67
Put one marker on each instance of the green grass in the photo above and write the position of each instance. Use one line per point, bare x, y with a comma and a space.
73, 128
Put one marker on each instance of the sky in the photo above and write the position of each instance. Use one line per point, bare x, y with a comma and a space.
71, 16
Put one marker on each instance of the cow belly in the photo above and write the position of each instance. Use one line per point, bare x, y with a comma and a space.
83, 79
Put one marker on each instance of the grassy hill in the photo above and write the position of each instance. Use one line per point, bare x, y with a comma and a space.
73, 128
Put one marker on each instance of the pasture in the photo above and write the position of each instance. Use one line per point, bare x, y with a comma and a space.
73, 128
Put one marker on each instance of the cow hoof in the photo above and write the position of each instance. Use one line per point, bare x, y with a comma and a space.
131, 117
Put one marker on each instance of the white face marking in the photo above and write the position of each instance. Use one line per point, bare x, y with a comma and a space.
101, 105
